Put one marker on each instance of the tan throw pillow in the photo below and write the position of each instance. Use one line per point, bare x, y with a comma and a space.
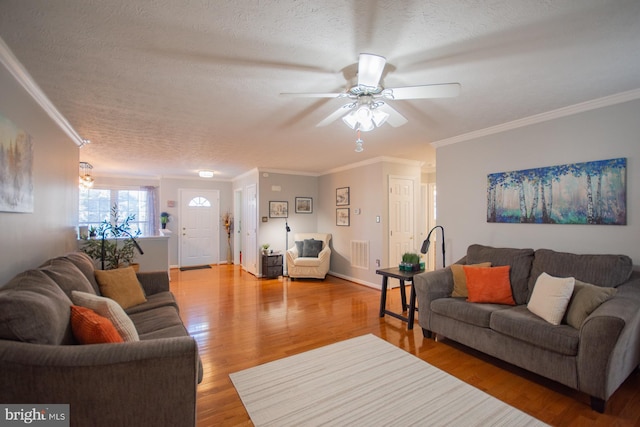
111, 310
586, 298
550, 297
121, 285
460, 279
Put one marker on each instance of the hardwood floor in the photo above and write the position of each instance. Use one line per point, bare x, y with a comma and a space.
241, 321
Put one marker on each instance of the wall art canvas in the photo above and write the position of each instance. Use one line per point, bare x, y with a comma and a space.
577, 193
16, 168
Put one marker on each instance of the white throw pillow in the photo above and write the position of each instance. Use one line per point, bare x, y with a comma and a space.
550, 297
110, 309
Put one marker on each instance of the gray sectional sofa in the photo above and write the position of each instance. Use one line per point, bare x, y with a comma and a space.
148, 382
595, 358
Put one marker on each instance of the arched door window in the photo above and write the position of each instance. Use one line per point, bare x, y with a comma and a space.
199, 202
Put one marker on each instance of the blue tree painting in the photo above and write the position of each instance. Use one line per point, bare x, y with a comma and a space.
578, 193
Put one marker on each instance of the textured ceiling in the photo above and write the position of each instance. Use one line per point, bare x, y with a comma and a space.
165, 88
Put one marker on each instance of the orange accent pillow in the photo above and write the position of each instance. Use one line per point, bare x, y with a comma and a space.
90, 328
489, 284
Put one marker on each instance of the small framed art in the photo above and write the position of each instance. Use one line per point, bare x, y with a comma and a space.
304, 205
278, 209
342, 196
342, 217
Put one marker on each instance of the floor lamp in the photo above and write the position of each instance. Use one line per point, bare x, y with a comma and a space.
427, 242
286, 247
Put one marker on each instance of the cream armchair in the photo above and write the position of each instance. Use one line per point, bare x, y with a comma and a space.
299, 266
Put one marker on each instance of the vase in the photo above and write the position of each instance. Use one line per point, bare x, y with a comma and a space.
229, 255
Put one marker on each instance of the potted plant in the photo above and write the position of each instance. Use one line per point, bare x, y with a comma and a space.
227, 221
114, 244
265, 249
410, 262
164, 219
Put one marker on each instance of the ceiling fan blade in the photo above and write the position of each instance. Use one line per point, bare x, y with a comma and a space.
336, 114
313, 95
445, 90
370, 69
395, 119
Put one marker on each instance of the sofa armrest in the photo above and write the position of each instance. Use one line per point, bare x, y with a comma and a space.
430, 286
135, 383
154, 282
324, 254
609, 348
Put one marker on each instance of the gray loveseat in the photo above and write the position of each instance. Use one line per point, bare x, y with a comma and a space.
594, 358
148, 382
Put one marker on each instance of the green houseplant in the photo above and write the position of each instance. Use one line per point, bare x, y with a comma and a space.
114, 243
410, 262
164, 219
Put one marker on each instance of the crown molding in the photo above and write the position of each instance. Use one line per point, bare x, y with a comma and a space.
594, 104
17, 70
374, 161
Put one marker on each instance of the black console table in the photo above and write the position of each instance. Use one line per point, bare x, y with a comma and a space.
402, 276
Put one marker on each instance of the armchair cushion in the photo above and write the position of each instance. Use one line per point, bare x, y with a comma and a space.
311, 248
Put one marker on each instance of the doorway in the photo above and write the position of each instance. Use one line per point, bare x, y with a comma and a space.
401, 218
199, 227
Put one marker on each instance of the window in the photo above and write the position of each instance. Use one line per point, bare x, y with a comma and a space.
95, 206
199, 202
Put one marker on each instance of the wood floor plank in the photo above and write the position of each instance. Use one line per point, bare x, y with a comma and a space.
241, 321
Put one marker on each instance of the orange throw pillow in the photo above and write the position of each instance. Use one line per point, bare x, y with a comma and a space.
90, 328
489, 284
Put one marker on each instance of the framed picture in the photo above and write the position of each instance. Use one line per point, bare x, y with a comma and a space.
304, 205
342, 217
278, 209
342, 196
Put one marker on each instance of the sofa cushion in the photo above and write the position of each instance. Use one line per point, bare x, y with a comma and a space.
67, 276
160, 299
601, 270
460, 279
91, 328
489, 284
460, 309
156, 319
121, 285
520, 261
311, 248
34, 309
519, 323
584, 300
550, 297
299, 246
86, 265
111, 310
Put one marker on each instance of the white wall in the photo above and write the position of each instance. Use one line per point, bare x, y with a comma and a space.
368, 184
462, 170
28, 239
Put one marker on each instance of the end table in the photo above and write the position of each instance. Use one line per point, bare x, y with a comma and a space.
402, 276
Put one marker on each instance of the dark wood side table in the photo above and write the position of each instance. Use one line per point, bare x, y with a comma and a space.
402, 276
271, 266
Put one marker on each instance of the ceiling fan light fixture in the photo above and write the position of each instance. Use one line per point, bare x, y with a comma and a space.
351, 120
379, 117
370, 69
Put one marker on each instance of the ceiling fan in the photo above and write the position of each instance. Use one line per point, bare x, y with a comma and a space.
367, 107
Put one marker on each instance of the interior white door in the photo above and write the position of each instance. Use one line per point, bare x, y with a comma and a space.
401, 219
251, 230
199, 227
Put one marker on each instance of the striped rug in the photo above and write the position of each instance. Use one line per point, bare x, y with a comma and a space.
366, 381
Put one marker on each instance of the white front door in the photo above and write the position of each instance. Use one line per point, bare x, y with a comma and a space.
199, 227
250, 263
401, 219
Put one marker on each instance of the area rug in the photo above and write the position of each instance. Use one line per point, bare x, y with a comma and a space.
366, 381
194, 267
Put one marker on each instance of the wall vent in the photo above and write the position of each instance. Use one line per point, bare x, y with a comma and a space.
360, 254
